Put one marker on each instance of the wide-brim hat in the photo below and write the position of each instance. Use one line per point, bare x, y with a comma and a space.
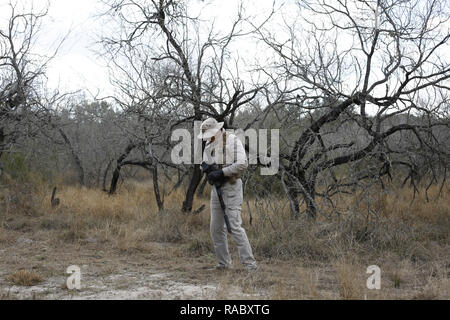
209, 128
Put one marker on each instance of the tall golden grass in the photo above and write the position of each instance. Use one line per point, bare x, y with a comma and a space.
397, 231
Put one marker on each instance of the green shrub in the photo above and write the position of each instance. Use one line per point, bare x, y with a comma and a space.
15, 165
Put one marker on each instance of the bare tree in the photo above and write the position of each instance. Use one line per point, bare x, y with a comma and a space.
362, 75
21, 75
196, 81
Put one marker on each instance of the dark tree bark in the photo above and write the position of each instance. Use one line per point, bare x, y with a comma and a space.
156, 188
195, 180
292, 194
114, 180
150, 165
106, 174
116, 174
2, 140
201, 190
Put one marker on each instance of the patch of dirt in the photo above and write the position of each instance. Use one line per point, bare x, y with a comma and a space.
109, 273
130, 285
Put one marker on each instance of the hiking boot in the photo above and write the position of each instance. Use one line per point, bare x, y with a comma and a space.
221, 267
252, 268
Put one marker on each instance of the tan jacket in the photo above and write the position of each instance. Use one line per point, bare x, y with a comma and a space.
233, 160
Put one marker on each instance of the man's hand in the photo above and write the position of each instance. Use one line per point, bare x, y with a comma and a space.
216, 175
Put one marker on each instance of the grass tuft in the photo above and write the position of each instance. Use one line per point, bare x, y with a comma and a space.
25, 278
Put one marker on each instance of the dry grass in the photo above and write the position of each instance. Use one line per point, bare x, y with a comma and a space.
25, 278
299, 259
350, 280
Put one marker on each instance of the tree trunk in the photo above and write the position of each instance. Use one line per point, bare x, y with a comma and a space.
311, 210
195, 180
156, 188
201, 190
293, 199
2, 139
116, 173
292, 194
106, 174
309, 194
114, 180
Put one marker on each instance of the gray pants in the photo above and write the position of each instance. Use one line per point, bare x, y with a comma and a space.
232, 196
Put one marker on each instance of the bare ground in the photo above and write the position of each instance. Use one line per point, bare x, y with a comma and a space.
107, 273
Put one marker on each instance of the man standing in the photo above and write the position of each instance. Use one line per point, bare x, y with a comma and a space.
226, 149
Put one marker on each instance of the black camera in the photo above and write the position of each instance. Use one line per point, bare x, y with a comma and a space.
207, 168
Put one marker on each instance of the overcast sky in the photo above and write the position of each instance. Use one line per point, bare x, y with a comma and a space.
78, 64
75, 66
